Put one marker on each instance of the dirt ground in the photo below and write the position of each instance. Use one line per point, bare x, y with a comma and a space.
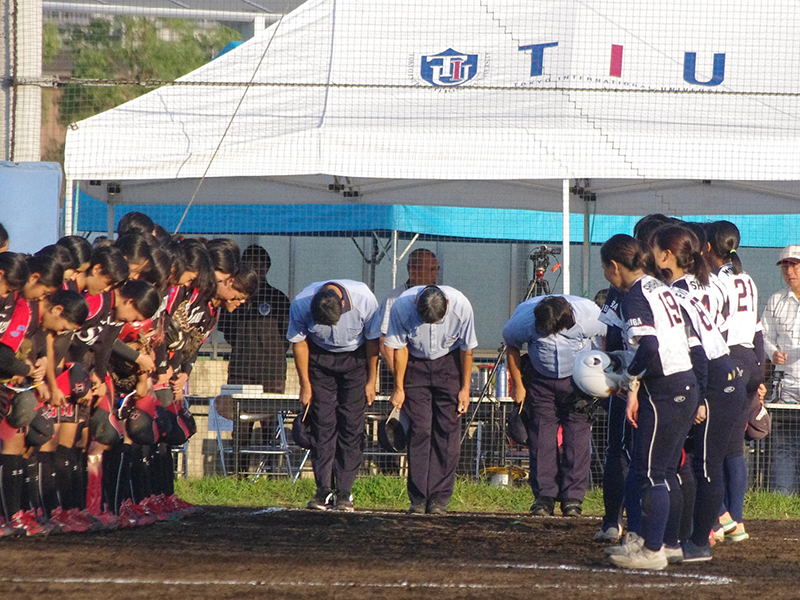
273, 553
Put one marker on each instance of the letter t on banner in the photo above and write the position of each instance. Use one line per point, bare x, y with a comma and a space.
537, 56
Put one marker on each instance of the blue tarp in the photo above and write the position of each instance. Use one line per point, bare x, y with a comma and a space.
767, 231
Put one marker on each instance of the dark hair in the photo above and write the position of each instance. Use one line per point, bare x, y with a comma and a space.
553, 314
255, 255
198, 260
700, 232
134, 247
685, 247
80, 248
624, 250
3, 235
146, 299
76, 310
326, 307
245, 280
51, 273
645, 226
16, 269
723, 238
224, 254
61, 254
417, 256
135, 222
600, 297
158, 270
161, 235
431, 304
177, 258
112, 264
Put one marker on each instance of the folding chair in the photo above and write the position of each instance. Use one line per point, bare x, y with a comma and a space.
279, 447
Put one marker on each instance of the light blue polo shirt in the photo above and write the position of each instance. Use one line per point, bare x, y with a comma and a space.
354, 326
431, 340
554, 355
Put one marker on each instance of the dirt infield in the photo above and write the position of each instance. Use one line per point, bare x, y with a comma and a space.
274, 553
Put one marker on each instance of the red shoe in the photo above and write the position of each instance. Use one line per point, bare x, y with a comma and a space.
127, 517
8, 530
183, 506
95, 524
142, 517
109, 520
27, 521
67, 522
155, 507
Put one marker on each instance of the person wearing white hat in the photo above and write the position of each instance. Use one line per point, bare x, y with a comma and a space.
781, 323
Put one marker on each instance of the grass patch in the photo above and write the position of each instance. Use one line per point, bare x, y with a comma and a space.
379, 492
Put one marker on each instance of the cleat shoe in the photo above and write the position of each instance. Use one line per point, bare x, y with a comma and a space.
7, 530
610, 534
137, 513
67, 522
543, 507
674, 555
436, 509
182, 506
571, 507
716, 536
345, 503
417, 509
153, 505
694, 553
728, 526
109, 520
644, 558
27, 521
322, 500
631, 542
740, 536
94, 523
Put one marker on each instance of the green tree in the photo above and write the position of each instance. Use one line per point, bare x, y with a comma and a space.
122, 56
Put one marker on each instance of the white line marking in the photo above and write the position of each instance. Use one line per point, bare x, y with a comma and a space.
677, 580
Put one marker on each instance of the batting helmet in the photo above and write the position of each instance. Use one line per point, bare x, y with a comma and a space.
40, 429
517, 425
599, 373
22, 409
393, 433
300, 430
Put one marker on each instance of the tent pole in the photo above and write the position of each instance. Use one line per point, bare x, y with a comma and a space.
69, 194
110, 220
394, 259
586, 248
292, 266
565, 263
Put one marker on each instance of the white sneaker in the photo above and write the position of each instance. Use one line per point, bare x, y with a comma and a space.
631, 542
674, 555
643, 559
610, 535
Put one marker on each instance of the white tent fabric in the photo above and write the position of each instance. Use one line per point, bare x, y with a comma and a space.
340, 89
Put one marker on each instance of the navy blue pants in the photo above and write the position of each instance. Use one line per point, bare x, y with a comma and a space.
434, 444
619, 441
725, 393
667, 406
566, 476
338, 384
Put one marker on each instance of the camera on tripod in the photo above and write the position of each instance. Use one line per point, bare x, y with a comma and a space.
541, 257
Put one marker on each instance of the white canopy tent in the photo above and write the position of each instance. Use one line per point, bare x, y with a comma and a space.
690, 109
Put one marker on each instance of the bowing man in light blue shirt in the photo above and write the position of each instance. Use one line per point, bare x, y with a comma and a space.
555, 328
335, 340
432, 332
